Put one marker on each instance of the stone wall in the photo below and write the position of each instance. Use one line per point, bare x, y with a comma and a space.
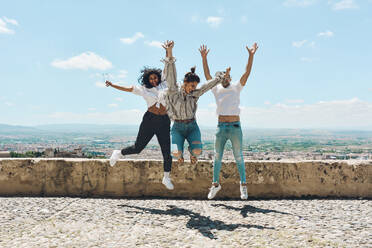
138, 178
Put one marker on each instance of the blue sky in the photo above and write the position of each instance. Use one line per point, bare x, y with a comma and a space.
312, 69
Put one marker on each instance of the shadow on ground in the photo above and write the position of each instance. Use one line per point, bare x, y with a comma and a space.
203, 224
249, 209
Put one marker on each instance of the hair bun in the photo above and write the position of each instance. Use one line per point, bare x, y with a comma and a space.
193, 69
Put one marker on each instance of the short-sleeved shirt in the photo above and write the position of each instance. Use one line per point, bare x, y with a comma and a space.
228, 99
154, 95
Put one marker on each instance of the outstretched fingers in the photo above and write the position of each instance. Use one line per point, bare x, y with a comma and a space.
108, 83
227, 74
168, 44
253, 49
203, 50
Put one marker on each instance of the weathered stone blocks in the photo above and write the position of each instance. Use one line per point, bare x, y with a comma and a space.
138, 178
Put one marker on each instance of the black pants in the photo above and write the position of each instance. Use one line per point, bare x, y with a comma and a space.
151, 125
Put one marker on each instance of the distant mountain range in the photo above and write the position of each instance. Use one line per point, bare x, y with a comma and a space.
66, 128
133, 129
12, 129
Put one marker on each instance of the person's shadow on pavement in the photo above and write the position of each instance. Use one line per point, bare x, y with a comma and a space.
202, 223
249, 209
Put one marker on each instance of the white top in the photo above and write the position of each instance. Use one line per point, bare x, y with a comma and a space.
154, 95
228, 99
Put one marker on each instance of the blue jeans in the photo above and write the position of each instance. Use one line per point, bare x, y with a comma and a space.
185, 131
233, 132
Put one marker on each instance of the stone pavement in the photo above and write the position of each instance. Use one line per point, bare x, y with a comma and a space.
79, 222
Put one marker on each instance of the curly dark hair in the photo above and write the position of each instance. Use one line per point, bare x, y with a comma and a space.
145, 74
191, 76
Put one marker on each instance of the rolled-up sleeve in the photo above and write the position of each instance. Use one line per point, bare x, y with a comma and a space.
210, 84
169, 73
138, 90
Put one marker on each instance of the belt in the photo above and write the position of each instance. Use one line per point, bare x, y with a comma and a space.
185, 121
228, 118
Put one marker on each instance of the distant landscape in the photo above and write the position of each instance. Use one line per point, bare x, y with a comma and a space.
261, 144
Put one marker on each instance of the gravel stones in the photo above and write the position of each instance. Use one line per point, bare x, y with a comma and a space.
79, 222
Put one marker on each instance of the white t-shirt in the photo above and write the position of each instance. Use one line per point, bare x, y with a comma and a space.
154, 95
228, 99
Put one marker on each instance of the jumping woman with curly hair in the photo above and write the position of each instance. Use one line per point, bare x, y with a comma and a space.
154, 122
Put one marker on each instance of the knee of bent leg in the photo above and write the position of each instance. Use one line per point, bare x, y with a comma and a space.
196, 151
138, 148
177, 154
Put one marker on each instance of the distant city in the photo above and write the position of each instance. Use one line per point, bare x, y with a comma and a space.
98, 141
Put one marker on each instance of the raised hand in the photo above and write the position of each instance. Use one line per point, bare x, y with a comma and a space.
203, 51
227, 73
168, 45
253, 49
108, 83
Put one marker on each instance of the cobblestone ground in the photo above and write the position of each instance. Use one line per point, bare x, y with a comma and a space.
76, 222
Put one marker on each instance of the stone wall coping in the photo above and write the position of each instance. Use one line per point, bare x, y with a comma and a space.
351, 161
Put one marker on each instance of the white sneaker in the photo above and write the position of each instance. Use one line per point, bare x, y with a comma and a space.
213, 191
115, 156
168, 183
243, 192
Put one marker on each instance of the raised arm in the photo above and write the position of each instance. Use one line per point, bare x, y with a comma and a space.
108, 84
213, 82
169, 73
248, 68
204, 52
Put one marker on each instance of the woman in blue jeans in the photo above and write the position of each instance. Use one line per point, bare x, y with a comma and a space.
227, 98
182, 104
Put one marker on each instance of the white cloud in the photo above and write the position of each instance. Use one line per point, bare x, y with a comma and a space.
11, 21
119, 99
326, 34
132, 116
112, 105
100, 84
299, 44
214, 21
348, 114
92, 109
84, 61
154, 43
132, 39
267, 102
4, 29
344, 4
299, 3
